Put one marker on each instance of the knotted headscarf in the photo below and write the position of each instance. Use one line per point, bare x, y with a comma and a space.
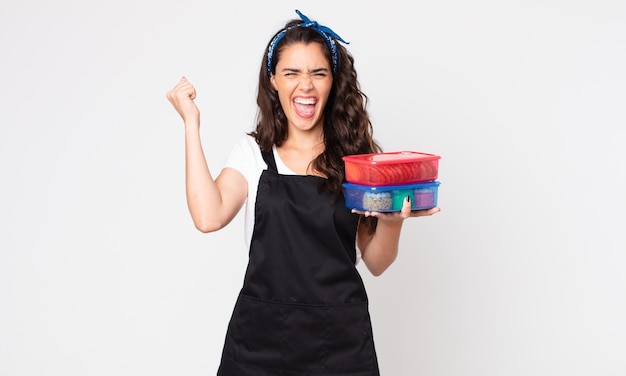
329, 35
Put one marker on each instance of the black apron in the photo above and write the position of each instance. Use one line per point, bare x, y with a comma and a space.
302, 309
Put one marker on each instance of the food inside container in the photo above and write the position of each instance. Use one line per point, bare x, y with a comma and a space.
391, 168
391, 198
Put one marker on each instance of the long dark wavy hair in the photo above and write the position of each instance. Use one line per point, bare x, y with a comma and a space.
347, 126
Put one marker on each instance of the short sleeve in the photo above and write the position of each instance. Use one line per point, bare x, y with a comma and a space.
245, 157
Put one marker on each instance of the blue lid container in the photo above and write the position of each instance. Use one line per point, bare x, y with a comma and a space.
390, 198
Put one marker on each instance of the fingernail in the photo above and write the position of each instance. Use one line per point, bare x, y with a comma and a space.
408, 198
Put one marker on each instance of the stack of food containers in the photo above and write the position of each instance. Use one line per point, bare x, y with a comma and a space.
381, 182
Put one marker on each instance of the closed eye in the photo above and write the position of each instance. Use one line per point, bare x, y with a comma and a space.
322, 72
291, 72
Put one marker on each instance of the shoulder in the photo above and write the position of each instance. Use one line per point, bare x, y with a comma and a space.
245, 156
248, 146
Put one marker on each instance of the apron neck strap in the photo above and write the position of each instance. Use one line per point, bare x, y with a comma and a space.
268, 157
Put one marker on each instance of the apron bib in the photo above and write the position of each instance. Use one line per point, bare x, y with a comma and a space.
303, 308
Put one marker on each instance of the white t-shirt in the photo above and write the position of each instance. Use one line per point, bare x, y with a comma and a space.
246, 158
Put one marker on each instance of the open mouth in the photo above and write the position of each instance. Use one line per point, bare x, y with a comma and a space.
305, 107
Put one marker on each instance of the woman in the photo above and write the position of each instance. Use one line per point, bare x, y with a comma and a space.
303, 308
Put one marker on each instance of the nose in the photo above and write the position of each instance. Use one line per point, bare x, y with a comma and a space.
306, 82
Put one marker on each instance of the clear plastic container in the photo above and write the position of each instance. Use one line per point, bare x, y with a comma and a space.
391, 168
391, 198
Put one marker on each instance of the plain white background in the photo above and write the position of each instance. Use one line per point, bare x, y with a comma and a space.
522, 272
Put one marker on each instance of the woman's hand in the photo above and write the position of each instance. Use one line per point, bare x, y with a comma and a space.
181, 97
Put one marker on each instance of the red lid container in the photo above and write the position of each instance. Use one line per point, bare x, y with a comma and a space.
391, 168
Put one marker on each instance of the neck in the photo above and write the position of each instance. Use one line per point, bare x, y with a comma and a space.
311, 140
299, 151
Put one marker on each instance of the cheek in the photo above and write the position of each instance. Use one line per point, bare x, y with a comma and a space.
284, 99
326, 93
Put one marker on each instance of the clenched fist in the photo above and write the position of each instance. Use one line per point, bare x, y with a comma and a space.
181, 97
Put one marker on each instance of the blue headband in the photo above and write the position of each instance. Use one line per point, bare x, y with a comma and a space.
329, 35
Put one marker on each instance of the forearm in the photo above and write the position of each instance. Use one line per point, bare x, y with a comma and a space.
203, 195
382, 248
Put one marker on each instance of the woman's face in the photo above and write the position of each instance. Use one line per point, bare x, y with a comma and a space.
303, 80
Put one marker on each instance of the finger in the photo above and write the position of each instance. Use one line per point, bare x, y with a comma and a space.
184, 91
406, 207
182, 85
425, 212
363, 212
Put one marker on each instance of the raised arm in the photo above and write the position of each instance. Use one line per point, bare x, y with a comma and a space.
213, 203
